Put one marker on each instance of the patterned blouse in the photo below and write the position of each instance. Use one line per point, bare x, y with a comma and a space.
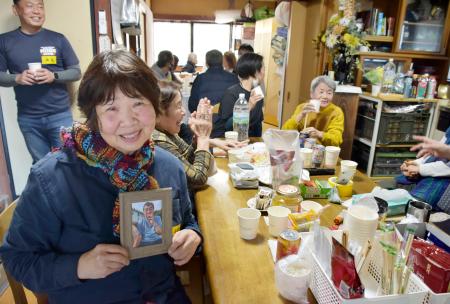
196, 163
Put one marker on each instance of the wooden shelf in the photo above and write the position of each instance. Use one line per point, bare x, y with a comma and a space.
420, 42
376, 38
401, 55
396, 97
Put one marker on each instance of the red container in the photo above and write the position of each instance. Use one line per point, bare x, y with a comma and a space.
432, 265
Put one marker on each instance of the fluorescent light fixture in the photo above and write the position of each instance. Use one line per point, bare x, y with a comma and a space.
227, 16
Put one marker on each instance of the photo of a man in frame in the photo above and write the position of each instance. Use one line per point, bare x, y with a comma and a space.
147, 223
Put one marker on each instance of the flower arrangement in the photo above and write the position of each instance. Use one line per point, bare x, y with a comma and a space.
343, 38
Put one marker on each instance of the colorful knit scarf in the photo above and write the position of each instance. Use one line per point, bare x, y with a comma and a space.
126, 172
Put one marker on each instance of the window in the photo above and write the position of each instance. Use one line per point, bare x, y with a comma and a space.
208, 37
173, 36
176, 37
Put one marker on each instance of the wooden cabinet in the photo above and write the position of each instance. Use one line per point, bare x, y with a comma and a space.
289, 85
423, 27
264, 31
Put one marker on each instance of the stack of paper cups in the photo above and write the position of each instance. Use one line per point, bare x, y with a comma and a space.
331, 156
361, 223
306, 157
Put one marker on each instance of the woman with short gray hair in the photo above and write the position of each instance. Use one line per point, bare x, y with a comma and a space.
327, 124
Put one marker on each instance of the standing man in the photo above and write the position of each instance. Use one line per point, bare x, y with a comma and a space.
43, 101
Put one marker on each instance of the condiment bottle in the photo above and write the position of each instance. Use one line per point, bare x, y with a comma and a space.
288, 196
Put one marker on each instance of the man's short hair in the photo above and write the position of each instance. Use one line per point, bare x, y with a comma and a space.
214, 58
245, 48
148, 204
164, 58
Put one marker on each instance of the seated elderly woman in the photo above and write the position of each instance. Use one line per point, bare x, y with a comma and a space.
197, 160
250, 70
64, 236
328, 124
428, 176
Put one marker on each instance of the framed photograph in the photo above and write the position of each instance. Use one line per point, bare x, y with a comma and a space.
146, 222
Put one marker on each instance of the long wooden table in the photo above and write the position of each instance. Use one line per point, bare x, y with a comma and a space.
241, 271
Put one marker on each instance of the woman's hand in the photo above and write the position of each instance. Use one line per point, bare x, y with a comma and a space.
184, 244
309, 108
410, 169
313, 132
254, 99
227, 144
431, 147
101, 261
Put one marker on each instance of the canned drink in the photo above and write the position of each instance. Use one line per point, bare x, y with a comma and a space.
318, 153
288, 243
310, 143
431, 88
302, 138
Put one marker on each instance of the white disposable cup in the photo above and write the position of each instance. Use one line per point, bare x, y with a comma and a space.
349, 165
248, 222
231, 135
33, 66
306, 156
361, 222
331, 156
278, 219
310, 205
258, 91
316, 104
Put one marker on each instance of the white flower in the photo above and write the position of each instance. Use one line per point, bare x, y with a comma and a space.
331, 41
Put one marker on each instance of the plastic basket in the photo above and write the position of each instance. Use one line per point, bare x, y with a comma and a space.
323, 288
400, 128
438, 298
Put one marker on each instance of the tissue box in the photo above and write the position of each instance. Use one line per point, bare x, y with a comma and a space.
316, 189
394, 207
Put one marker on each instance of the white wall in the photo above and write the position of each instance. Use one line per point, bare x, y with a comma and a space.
73, 19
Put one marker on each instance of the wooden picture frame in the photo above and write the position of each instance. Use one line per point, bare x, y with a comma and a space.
143, 231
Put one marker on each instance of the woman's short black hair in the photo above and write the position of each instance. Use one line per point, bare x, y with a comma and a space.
109, 71
248, 64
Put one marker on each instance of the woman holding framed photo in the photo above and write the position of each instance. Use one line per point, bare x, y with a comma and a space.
64, 236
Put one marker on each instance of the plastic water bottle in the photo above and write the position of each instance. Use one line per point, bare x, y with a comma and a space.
241, 117
388, 77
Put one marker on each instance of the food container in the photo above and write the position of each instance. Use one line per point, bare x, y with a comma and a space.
287, 196
343, 190
315, 189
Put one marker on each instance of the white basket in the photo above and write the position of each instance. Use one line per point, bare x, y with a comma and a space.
323, 288
438, 298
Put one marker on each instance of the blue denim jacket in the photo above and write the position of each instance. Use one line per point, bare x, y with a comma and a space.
66, 210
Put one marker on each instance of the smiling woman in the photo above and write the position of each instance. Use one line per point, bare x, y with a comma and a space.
69, 247
325, 123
